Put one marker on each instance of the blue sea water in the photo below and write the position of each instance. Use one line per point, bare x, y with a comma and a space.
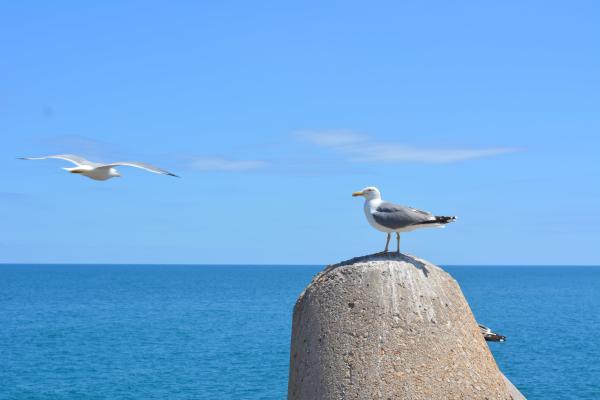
222, 332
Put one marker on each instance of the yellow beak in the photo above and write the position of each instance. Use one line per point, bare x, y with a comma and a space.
356, 194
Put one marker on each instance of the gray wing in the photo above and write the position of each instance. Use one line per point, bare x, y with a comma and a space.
135, 164
77, 160
394, 216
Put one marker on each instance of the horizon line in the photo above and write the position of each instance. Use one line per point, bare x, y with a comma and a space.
277, 265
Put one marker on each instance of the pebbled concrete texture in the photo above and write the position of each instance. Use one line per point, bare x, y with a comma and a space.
389, 327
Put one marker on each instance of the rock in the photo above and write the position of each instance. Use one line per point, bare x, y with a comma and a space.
512, 390
389, 327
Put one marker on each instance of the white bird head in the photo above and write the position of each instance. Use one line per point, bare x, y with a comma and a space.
369, 193
114, 172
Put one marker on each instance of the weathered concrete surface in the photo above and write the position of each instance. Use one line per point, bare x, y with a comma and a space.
512, 390
388, 327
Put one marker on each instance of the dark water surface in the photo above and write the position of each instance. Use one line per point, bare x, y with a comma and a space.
222, 332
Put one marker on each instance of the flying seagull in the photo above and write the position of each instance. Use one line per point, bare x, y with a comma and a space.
389, 217
97, 171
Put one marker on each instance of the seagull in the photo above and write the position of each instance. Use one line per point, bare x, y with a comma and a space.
97, 171
389, 217
489, 335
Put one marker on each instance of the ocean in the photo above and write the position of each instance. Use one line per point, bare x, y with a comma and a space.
222, 332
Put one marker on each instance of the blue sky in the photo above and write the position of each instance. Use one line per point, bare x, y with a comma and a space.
275, 112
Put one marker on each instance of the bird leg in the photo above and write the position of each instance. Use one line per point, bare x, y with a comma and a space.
398, 239
387, 242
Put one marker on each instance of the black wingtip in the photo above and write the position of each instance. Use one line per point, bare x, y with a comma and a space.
445, 220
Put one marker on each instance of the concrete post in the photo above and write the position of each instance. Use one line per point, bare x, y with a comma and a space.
389, 327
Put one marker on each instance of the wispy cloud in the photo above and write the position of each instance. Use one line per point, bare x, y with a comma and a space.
78, 144
336, 138
362, 148
75, 141
11, 196
226, 165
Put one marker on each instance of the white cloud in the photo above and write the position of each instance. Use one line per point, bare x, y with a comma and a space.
334, 138
400, 153
225, 165
11, 195
78, 144
361, 148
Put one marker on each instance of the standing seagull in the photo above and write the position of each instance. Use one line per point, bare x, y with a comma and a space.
390, 217
97, 171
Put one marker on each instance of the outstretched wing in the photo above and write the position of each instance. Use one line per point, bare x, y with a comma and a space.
135, 164
67, 157
395, 216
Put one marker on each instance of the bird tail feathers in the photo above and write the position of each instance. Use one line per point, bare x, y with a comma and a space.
445, 220
441, 220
